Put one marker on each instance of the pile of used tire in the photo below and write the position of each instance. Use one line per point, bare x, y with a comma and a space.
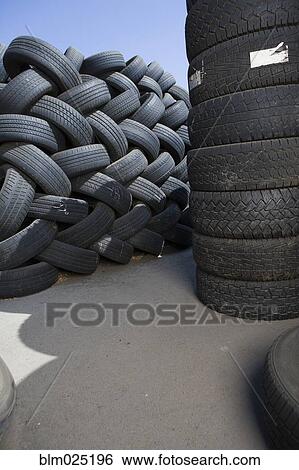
92, 162
244, 169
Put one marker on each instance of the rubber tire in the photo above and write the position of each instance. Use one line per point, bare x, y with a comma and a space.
129, 224
179, 235
209, 23
3, 73
147, 192
127, 168
23, 91
16, 196
66, 118
70, 258
226, 68
135, 69
180, 171
109, 134
180, 93
166, 81
150, 111
177, 191
165, 220
154, 71
158, 171
252, 300
90, 229
24, 51
27, 280
262, 164
38, 166
75, 56
26, 244
58, 209
118, 83
269, 213
170, 141
148, 85
148, 242
175, 115
103, 63
120, 107
32, 130
264, 113
280, 386
248, 260
113, 249
87, 97
104, 189
81, 160
140, 136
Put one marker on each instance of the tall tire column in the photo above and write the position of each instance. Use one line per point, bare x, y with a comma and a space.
244, 166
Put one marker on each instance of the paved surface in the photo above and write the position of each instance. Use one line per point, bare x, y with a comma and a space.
129, 387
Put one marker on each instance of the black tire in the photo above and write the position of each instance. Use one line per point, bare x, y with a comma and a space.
16, 196
168, 100
58, 209
148, 85
135, 69
232, 66
81, 160
183, 132
247, 166
177, 191
150, 112
27, 280
38, 166
147, 192
23, 91
272, 300
158, 171
209, 24
140, 136
127, 168
118, 83
131, 223
180, 171
87, 97
26, 244
24, 51
90, 229
120, 107
180, 93
109, 134
248, 260
70, 258
103, 63
269, 213
175, 115
170, 141
104, 189
114, 249
179, 235
18, 128
165, 220
75, 56
154, 71
66, 118
166, 81
280, 386
3, 73
148, 242
264, 113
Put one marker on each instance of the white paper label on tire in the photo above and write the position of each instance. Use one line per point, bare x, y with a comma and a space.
276, 55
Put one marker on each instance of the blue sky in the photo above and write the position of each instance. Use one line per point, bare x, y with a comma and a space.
151, 28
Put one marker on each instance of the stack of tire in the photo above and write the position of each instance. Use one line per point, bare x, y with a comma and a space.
244, 166
92, 162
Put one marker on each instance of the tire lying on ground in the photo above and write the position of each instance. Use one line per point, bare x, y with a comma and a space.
249, 260
7, 396
264, 113
270, 300
269, 213
281, 391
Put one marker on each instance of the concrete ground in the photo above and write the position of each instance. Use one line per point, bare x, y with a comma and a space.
130, 387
